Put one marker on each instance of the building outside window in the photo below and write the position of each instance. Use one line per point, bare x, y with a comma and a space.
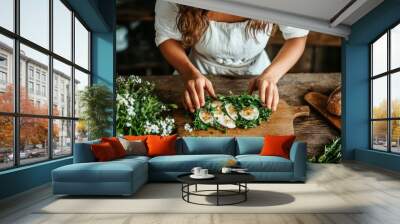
385, 91
30, 72
3, 78
43, 90
37, 74
44, 77
3, 61
30, 87
59, 127
3, 72
38, 89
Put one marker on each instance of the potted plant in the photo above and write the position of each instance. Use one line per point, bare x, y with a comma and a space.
96, 102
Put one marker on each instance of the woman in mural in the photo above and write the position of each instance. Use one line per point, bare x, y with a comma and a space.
223, 44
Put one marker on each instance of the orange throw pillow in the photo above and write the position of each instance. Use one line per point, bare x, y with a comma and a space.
161, 145
277, 145
116, 145
136, 138
103, 151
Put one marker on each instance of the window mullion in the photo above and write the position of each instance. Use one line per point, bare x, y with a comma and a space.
389, 104
371, 98
73, 82
50, 81
16, 85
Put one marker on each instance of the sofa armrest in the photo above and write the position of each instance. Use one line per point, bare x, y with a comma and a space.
298, 155
83, 152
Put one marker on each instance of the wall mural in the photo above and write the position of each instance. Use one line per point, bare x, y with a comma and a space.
308, 103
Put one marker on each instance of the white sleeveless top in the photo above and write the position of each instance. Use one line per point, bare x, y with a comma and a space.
224, 48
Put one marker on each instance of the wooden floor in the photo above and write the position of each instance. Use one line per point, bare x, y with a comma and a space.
377, 188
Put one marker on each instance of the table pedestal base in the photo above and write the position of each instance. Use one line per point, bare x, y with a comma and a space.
219, 194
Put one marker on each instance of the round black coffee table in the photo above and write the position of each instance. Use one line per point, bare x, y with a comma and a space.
238, 179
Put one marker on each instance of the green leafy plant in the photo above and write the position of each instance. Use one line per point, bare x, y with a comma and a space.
96, 102
139, 110
245, 111
332, 153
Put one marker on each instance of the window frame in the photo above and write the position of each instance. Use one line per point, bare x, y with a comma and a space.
16, 114
388, 74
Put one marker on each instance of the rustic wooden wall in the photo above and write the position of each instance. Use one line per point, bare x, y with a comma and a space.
314, 129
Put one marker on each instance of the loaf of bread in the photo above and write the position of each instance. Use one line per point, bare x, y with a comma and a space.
334, 104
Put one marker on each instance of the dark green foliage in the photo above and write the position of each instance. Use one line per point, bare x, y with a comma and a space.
96, 102
332, 153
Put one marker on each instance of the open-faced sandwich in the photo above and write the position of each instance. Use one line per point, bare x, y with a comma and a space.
228, 112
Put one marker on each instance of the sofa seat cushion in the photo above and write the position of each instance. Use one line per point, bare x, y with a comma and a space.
257, 163
133, 157
185, 163
113, 171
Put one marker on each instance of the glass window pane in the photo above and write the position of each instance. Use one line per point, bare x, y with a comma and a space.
395, 47
35, 21
6, 142
379, 56
379, 97
81, 81
62, 89
395, 138
81, 131
7, 14
379, 135
33, 140
6, 74
62, 138
395, 94
34, 96
81, 45
62, 29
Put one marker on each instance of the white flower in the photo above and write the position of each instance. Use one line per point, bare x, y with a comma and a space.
132, 101
122, 100
131, 111
128, 124
188, 127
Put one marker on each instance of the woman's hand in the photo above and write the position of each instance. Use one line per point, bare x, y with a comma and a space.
194, 94
267, 90
287, 56
195, 83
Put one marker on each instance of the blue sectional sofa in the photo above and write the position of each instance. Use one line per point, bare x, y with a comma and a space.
125, 176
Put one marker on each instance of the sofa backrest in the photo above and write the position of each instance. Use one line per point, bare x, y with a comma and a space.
190, 146
249, 145
83, 152
206, 145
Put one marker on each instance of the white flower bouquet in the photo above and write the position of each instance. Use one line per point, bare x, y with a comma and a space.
139, 110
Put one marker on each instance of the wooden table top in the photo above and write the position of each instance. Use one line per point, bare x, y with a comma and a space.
313, 129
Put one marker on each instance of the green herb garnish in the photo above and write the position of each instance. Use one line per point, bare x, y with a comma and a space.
248, 113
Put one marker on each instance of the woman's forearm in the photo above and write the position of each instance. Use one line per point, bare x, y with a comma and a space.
195, 83
266, 83
176, 56
286, 58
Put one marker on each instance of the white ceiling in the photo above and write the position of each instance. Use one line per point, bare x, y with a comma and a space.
327, 16
321, 9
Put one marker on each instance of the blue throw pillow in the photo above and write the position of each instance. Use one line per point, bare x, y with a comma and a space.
249, 145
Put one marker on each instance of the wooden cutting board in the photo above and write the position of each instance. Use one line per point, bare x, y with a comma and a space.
318, 101
280, 123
